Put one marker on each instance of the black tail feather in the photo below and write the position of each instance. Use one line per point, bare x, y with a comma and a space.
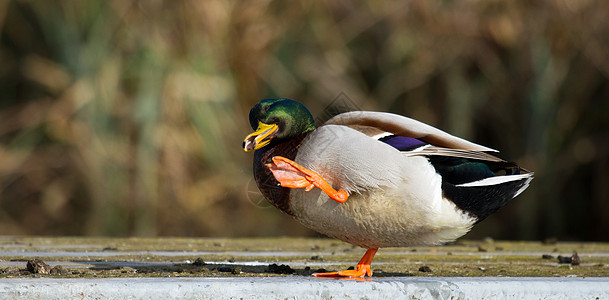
479, 201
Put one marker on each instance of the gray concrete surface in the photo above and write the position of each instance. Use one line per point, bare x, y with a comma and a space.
305, 288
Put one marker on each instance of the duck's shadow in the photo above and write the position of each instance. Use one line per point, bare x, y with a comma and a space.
218, 269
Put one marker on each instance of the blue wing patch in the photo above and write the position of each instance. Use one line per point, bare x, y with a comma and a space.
402, 143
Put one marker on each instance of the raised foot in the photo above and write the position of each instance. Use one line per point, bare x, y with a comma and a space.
292, 175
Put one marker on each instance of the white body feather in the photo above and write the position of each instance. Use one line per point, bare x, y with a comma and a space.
402, 194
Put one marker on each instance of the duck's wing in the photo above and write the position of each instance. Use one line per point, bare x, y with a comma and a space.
412, 137
404, 126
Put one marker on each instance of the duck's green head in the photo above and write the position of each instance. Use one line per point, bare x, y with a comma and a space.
280, 119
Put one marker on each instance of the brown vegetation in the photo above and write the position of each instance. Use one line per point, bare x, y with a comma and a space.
126, 117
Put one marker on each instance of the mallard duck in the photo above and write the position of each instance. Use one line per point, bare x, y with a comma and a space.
375, 179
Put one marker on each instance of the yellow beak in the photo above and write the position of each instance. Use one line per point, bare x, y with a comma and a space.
260, 138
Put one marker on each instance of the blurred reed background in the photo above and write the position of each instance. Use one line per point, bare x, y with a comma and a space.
125, 118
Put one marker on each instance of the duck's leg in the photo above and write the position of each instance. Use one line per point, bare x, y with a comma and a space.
292, 175
363, 267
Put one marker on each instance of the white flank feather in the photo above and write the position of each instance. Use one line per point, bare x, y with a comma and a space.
381, 135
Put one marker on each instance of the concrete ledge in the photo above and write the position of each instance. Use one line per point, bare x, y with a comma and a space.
306, 288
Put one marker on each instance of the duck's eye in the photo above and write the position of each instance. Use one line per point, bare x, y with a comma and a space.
266, 107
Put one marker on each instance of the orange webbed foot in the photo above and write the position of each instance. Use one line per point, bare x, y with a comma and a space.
362, 269
292, 175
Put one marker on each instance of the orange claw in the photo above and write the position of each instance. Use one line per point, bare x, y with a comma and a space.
363, 267
292, 175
